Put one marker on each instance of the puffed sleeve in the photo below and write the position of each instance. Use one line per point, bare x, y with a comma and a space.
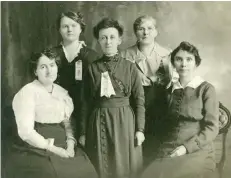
69, 106
210, 127
24, 110
138, 96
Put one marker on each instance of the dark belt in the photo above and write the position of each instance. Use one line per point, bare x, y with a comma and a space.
47, 124
112, 103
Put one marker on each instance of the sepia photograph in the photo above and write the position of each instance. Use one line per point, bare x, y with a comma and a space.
115, 89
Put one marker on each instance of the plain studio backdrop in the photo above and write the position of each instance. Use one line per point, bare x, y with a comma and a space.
31, 26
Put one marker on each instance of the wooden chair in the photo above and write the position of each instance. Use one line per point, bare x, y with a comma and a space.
221, 140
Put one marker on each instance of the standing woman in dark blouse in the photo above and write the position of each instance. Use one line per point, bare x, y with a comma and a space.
187, 131
114, 133
75, 57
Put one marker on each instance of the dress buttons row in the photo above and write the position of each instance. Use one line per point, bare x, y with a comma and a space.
104, 144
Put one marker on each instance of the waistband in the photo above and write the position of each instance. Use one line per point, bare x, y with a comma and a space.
47, 124
112, 103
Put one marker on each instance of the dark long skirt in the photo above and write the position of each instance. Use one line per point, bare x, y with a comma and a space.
200, 164
155, 104
26, 161
111, 140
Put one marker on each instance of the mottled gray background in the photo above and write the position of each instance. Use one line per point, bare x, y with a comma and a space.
30, 26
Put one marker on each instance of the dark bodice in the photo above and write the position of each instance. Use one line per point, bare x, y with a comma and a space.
66, 71
191, 118
120, 72
125, 80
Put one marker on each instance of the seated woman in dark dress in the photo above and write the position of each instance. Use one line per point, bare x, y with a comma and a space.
46, 146
114, 133
75, 56
184, 136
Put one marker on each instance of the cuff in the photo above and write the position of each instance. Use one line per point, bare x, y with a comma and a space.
50, 143
140, 130
72, 138
192, 145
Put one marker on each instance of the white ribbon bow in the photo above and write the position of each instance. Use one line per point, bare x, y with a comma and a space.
106, 85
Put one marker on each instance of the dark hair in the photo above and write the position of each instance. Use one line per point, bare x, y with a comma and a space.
107, 23
140, 19
33, 63
186, 46
77, 17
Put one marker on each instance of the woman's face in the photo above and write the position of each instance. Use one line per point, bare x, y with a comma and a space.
109, 40
185, 63
69, 29
146, 32
46, 70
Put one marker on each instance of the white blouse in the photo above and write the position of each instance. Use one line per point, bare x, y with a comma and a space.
150, 64
33, 103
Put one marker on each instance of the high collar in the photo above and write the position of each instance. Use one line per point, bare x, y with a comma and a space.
110, 58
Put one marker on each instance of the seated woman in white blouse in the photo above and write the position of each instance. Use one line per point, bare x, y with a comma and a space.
46, 148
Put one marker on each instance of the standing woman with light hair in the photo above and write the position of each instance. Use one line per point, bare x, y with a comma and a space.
75, 56
154, 67
153, 63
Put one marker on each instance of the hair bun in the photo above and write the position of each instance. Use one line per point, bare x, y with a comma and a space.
80, 15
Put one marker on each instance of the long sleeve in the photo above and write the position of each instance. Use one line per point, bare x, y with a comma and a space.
69, 106
86, 100
24, 110
210, 122
138, 95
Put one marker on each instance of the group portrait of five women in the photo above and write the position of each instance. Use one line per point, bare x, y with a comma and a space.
86, 115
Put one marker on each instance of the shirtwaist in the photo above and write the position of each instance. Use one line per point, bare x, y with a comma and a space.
66, 76
156, 64
111, 122
39, 116
150, 69
191, 120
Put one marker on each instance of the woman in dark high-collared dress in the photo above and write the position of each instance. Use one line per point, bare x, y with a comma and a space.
114, 132
185, 134
75, 56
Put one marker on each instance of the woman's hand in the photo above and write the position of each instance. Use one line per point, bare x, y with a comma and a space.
58, 151
140, 138
70, 148
82, 140
179, 151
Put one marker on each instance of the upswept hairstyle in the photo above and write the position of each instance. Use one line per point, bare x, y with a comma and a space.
77, 17
140, 19
107, 23
33, 63
186, 46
